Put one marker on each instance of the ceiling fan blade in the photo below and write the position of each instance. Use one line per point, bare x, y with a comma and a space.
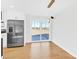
51, 2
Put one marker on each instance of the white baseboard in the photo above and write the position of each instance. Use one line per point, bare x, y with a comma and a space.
37, 41
68, 51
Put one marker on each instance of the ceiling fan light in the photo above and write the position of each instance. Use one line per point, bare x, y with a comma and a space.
51, 2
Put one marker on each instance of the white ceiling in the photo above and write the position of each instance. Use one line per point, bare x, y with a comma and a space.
36, 7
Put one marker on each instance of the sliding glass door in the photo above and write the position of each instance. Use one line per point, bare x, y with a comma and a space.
40, 30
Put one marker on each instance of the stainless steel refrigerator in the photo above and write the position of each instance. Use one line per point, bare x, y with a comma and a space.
15, 33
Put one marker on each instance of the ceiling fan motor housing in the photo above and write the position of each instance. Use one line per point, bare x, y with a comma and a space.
52, 17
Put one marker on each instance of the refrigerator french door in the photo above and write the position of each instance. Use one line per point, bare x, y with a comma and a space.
15, 35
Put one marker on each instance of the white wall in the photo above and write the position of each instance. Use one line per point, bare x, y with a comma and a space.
65, 30
27, 32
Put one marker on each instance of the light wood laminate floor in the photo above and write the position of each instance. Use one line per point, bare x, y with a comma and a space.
43, 50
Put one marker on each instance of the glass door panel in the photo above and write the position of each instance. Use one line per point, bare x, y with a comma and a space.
35, 30
44, 30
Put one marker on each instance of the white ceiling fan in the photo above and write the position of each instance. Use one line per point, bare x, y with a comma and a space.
50, 3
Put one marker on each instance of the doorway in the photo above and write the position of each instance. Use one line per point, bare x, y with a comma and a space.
40, 30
